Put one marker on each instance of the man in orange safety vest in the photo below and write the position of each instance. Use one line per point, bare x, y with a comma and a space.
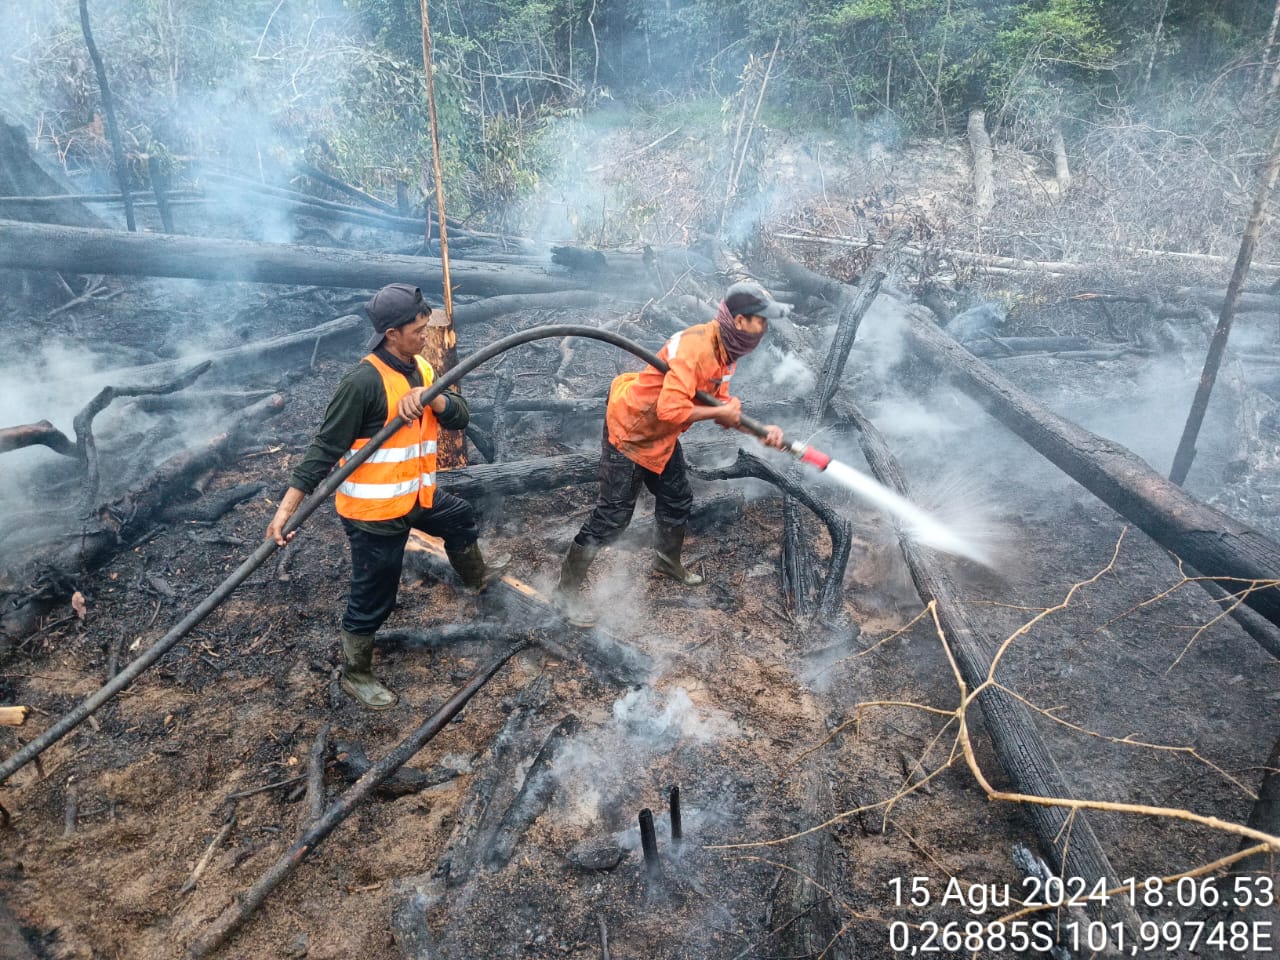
394, 490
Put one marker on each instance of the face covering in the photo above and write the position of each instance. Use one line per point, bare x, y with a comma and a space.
737, 343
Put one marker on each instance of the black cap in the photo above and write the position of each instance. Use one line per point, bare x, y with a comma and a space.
752, 300
393, 306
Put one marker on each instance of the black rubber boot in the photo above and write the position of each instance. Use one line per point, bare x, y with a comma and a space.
568, 593
357, 673
669, 542
473, 571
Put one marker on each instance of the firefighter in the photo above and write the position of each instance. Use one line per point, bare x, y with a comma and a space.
646, 413
393, 491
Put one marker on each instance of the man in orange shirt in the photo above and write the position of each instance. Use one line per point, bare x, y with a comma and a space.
646, 414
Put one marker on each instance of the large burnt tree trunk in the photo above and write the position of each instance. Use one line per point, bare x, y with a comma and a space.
81, 250
1068, 837
1214, 543
35, 580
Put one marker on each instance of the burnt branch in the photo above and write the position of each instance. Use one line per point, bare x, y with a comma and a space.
86, 446
42, 433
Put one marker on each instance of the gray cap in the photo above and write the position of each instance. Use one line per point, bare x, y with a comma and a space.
393, 306
752, 300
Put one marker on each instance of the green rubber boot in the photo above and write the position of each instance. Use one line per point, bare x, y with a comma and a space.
357, 673
568, 593
669, 542
472, 569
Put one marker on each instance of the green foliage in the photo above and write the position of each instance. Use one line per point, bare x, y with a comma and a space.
236, 79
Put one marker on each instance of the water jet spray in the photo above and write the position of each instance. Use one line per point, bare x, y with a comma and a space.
918, 524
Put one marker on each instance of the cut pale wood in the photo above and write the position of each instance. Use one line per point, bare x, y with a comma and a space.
13, 716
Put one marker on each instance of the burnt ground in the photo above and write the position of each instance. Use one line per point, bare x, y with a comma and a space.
740, 690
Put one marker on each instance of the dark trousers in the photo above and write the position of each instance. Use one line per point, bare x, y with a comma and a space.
376, 558
620, 482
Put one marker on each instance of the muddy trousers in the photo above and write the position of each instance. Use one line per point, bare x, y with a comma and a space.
620, 482
376, 558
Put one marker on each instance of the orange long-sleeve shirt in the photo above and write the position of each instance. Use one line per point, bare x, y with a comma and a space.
649, 410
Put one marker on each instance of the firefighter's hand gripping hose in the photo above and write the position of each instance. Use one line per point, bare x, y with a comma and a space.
125, 677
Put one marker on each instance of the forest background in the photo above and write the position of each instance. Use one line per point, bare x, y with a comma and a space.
1174, 88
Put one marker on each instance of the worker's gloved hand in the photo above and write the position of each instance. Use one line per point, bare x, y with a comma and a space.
410, 406
729, 414
773, 437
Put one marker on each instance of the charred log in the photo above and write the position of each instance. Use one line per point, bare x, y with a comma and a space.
352, 763
214, 506
476, 820
1066, 835
540, 474
35, 579
235, 915
329, 180
802, 913
86, 446
1013, 346
1221, 547
1214, 299
339, 334
531, 800
81, 250
43, 434
484, 310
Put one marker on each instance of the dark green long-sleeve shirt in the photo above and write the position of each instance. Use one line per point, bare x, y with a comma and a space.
359, 410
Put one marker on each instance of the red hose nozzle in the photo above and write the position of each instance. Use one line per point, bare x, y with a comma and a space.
815, 458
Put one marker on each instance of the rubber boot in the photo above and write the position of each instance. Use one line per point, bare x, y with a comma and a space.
357, 673
473, 571
568, 593
669, 542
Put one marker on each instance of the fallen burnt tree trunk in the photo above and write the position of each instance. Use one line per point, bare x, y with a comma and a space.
1222, 548
1012, 346
540, 474
1214, 299
40, 434
1065, 834
80, 250
34, 580
339, 334
801, 911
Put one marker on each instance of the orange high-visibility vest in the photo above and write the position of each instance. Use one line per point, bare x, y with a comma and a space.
402, 471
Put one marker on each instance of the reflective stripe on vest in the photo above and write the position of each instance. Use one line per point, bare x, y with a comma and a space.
401, 472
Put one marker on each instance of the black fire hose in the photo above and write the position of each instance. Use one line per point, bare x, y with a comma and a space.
125, 677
